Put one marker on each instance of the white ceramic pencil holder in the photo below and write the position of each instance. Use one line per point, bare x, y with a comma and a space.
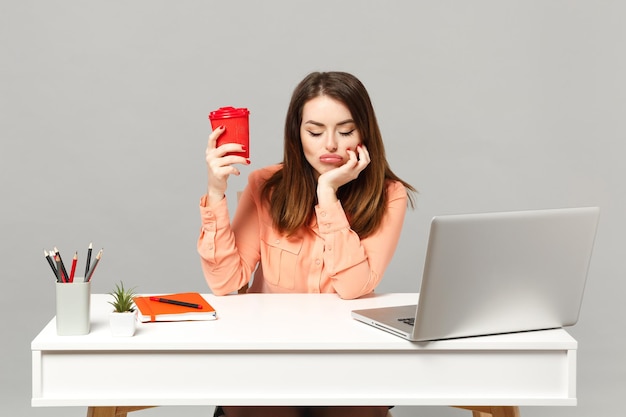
73, 300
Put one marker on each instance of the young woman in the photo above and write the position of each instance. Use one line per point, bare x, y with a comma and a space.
327, 219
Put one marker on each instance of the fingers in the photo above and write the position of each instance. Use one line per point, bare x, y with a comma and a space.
364, 155
220, 167
359, 158
213, 151
227, 153
220, 164
212, 144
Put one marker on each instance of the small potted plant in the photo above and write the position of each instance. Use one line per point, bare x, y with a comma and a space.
124, 316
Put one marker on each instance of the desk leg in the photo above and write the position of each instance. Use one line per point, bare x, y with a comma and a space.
495, 411
112, 411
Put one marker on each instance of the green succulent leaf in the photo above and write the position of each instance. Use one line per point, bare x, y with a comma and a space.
122, 298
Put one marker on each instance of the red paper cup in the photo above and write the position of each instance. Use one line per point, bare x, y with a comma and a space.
236, 122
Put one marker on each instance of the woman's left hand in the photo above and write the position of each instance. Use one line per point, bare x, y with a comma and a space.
329, 182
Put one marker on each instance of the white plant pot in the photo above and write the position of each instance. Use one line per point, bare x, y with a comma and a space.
123, 324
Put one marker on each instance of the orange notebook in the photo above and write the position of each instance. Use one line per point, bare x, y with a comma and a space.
149, 308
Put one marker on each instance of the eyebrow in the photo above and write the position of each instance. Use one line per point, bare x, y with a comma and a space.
343, 122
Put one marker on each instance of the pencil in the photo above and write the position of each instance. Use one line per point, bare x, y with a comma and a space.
93, 267
51, 263
74, 261
88, 264
176, 302
60, 278
66, 277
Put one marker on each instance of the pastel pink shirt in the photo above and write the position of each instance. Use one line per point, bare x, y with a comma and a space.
324, 257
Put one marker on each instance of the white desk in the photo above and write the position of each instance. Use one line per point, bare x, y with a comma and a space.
295, 349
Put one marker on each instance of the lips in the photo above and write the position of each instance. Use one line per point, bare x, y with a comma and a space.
331, 158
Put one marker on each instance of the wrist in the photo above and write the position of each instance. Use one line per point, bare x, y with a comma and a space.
326, 195
213, 197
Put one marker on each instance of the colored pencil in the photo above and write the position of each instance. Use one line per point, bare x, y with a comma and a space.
88, 264
51, 263
73, 270
176, 302
60, 278
93, 267
66, 277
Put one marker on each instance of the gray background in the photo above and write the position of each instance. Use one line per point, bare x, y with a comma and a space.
484, 106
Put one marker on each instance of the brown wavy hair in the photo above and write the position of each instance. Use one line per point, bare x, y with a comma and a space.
291, 191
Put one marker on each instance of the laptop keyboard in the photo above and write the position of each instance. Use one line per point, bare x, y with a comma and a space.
409, 320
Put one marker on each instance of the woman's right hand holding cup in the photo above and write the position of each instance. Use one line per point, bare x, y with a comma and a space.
220, 166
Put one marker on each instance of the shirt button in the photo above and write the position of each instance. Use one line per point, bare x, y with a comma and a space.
323, 214
277, 241
317, 262
211, 247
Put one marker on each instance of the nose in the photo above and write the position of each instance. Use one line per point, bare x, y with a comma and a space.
331, 143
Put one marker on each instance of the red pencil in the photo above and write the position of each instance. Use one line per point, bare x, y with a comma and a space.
74, 261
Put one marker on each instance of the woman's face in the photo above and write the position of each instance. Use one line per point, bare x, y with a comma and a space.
327, 132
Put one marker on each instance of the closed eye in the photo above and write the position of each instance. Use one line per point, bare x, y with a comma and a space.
346, 134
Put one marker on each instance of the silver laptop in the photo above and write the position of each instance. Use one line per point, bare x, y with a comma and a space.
497, 273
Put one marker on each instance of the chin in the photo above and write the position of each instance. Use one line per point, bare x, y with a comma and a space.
323, 170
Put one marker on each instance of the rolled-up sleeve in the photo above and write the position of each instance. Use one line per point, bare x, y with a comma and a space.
356, 266
206, 241
219, 256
